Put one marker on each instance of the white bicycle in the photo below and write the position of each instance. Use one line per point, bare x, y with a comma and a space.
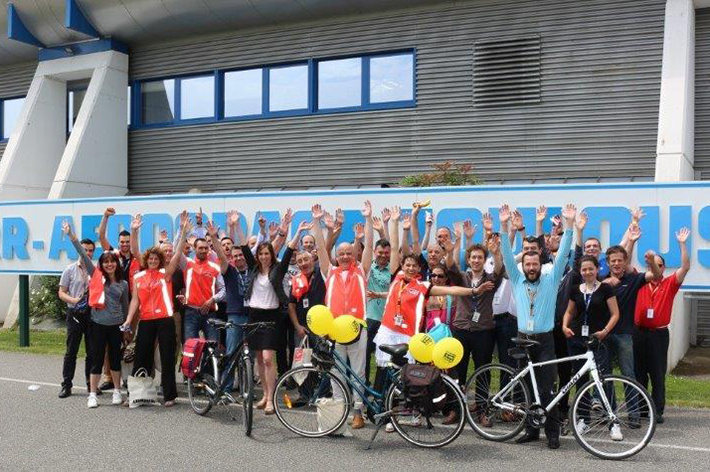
612, 416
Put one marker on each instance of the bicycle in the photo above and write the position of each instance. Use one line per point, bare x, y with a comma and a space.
324, 403
207, 388
612, 416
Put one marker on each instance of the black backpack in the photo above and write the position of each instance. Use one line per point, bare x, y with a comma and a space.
424, 388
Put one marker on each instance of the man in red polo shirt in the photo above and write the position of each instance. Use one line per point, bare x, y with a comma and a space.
652, 316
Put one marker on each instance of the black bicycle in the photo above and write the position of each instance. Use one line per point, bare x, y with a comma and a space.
208, 386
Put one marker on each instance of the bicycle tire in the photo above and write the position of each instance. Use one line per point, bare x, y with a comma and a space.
595, 433
200, 400
496, 419
246, 390
454, 400
315, 382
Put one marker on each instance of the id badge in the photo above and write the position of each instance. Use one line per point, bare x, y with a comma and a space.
531, 325
476, 316
496, 299
585, 331
305, 303
649, 313
398, 319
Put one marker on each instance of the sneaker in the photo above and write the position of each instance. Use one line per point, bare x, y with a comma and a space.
616, 433
92, 402
597, 405
117, 399
659, 419
389, 428
582, 427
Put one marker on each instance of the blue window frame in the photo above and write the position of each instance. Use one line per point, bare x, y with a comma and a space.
314, 86
11, 108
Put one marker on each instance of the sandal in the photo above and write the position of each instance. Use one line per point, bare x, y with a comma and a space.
269, 410
169, 403
261, 404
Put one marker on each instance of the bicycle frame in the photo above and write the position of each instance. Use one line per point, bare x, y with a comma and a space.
590, 365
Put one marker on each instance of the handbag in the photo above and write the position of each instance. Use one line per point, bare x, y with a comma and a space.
301, 356
328, 412
442, 330
141, 389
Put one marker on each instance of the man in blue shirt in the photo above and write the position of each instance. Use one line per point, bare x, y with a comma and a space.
535, 296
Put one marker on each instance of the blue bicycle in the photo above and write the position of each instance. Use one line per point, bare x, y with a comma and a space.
313, 400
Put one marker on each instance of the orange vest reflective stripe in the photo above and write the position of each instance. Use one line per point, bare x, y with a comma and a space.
405, 305
346, 297
299, 286
97, 297
200, 282
155, 294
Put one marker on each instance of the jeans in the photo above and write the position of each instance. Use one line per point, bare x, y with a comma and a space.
622, 347
234, 338
78, 325
196, 322
373, 327
651, 356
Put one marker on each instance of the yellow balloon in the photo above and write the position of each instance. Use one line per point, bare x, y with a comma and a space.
345, 329
447, 353
319, 320
421, 346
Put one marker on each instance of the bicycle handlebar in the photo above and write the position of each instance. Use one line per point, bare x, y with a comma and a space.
219, 324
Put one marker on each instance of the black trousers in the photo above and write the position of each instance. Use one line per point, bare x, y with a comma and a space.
545, 377
476, 344
564, 369
284, 355
103, 337
163, 330
651, 363
372, 328
78, 325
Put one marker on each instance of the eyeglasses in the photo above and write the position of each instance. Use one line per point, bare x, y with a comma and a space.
438, 276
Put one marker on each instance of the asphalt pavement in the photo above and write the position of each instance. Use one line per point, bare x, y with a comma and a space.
39, 431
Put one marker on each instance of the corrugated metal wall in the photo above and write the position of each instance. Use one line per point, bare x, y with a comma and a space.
703, 327
702, 92
601, 64
15, 80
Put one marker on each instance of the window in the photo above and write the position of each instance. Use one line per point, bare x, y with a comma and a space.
10, 113
288, 88
158, 101
340, 83
243, 92
392, 78
197, 97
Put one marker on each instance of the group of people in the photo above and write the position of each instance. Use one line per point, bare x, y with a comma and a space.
398, 283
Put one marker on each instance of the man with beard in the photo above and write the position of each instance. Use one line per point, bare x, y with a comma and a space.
535, 296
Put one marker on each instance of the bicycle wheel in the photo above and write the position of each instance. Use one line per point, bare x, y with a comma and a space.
311, 402
246, 391
617, 433
197, 391
422, 431
503, 418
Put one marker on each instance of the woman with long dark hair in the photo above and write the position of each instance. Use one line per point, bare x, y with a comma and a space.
108, 298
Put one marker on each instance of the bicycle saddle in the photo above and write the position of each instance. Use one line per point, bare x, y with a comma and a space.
395, 350
521, 342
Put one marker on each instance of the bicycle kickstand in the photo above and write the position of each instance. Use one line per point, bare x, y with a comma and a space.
374, 435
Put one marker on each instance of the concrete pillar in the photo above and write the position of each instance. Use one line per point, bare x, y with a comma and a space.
676, 134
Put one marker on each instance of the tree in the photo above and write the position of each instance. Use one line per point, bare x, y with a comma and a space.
446, 174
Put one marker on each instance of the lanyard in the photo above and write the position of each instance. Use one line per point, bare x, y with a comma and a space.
532, 295
402, 288
588, 300
475, 284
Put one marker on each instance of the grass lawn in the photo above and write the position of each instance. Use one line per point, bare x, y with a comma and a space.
681, 391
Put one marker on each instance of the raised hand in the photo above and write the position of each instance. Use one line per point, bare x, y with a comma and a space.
517, 222
395, 213
469, 229
569, 213
262, 222
415, 210
682, 235
636, 215
329, 221
493, 244
429, 220
232, 218
137, 222
504, 214
273, 230
634, 232
367, 209
377, 224
184, 216
541, 213
110, 211
487, 221
317, 212
339, 218
581, 222
304, 226
66, 228
386, 215
212, 230
286, 221
458, 230
406, 221
649, 257
163, 235
359, 230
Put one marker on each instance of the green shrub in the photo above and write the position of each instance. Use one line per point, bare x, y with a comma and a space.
44, 301
446, 174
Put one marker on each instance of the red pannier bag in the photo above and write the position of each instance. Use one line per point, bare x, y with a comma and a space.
191, 356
